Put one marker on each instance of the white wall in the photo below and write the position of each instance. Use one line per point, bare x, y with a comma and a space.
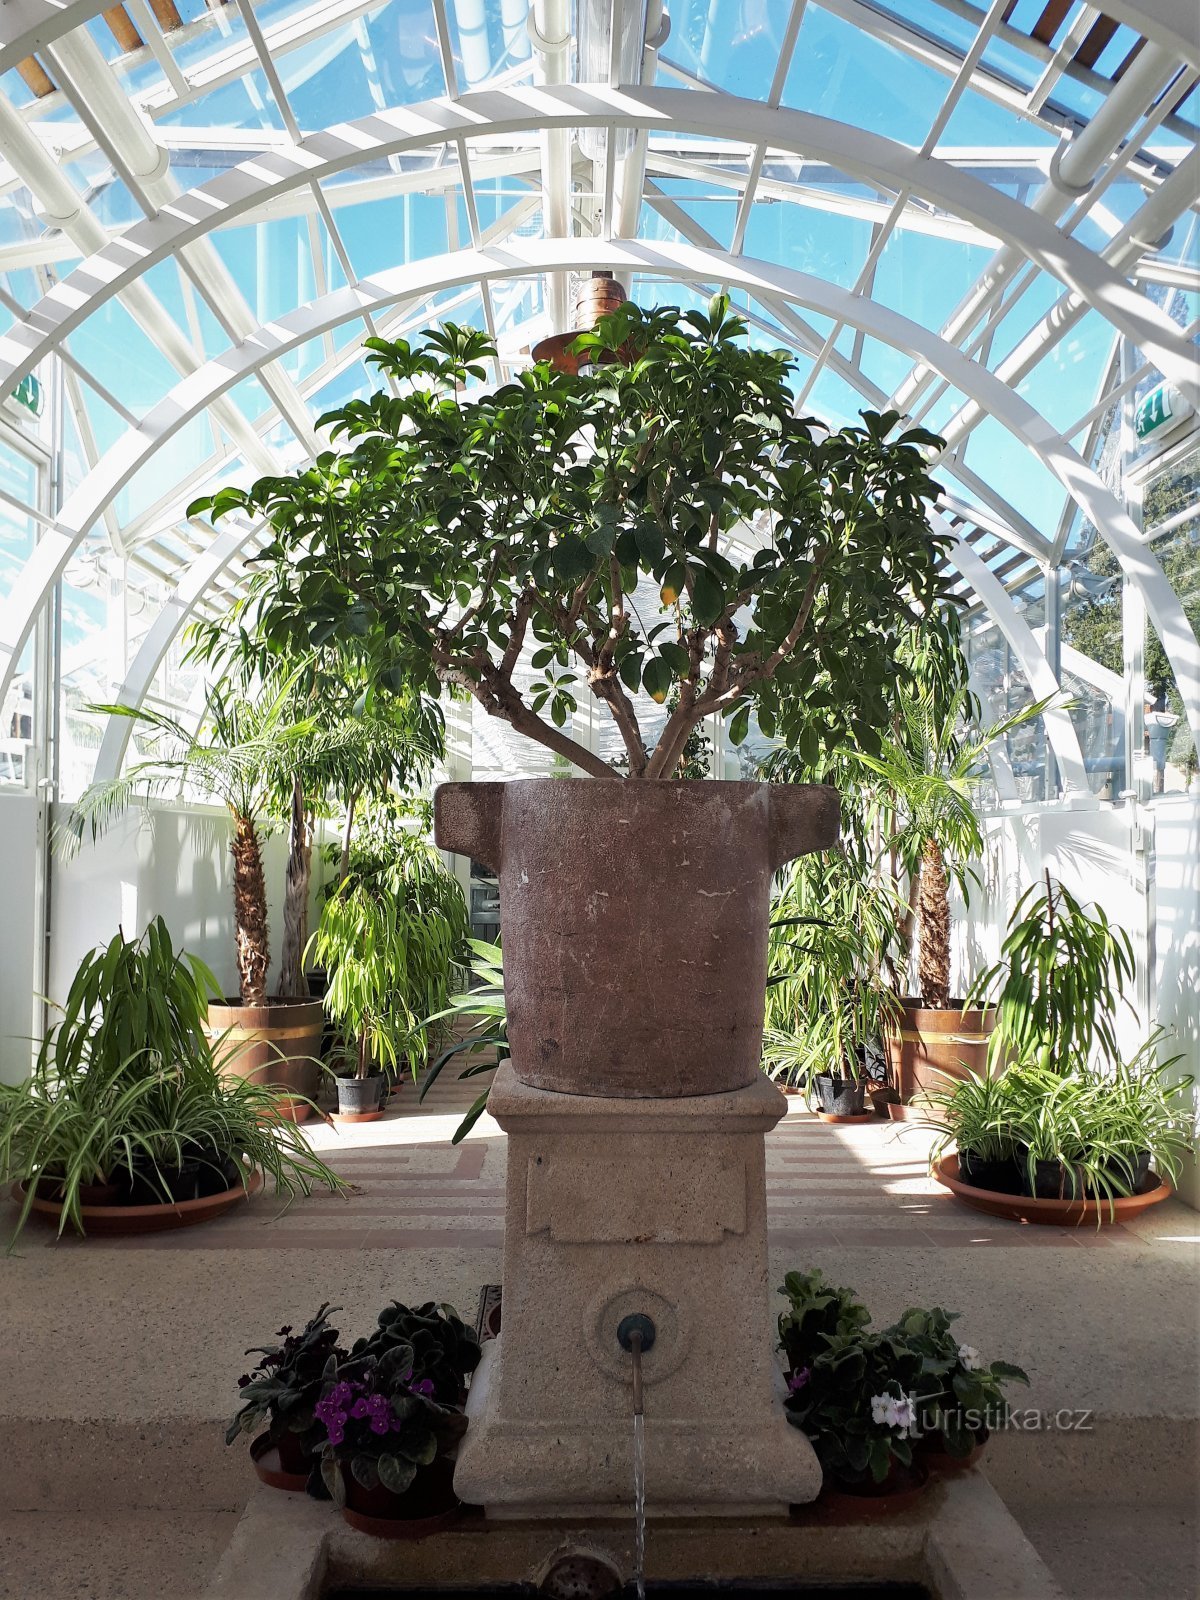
18, 931
1177, 938
161, 859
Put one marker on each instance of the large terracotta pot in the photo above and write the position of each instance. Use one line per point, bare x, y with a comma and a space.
277, 1043
634, 920
929, 1043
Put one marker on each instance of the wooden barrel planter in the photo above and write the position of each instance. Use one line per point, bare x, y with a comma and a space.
277, 1043
928, 1046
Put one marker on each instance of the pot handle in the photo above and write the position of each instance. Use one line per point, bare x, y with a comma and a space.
804, 818
466, 819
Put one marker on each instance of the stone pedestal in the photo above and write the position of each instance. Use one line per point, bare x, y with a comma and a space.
616, 1206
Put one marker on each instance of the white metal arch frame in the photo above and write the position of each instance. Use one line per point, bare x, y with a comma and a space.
486, 113
30, 25
518, 257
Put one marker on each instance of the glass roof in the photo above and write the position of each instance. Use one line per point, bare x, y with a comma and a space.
905, 156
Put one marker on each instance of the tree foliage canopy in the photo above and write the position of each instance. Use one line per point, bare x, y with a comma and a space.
456, 529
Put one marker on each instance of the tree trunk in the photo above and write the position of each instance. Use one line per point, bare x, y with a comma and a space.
249, 912
933, 956
292, 982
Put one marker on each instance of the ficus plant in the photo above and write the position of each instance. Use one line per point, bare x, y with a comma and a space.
457, 531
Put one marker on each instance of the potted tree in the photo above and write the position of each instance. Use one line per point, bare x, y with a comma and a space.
828, 1002
520, 520
392, 937
926, 772
270, 748
369, 742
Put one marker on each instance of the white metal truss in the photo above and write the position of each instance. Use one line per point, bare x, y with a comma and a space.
531, 257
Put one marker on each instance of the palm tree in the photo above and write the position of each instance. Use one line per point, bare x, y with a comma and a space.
928, 769
239, 754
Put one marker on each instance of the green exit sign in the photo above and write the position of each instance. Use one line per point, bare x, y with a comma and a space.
28, 394
1158, 409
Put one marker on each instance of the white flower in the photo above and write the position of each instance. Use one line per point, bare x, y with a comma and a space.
970, 1357
889, 1412
906, 1414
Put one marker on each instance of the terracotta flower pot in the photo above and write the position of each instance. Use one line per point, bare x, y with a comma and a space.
634, 920
427, 1507
281, 1466
898, 1490
927, 1043
278, 1043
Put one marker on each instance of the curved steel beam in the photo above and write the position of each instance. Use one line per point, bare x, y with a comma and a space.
1060, 730
519, 109
515, 258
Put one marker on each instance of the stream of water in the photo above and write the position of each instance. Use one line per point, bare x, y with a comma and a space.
639, 1504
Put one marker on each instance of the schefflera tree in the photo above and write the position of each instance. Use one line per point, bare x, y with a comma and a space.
459, 526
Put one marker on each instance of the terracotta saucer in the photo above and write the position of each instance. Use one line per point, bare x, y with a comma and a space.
859, 1116
147, 1219
1049, 1213
356, 1116
265, 1457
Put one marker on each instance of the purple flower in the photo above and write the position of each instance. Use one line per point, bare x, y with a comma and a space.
798, 1379
243, 1380
424, 1386
336, 1432
379, 1423
360, 1408
285, 1330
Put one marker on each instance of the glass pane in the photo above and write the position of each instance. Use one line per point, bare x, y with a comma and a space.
18, 535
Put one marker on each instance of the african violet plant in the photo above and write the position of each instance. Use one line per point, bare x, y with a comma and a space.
285, 1387
443, 1351
382, 1424
866, 1399
462, 527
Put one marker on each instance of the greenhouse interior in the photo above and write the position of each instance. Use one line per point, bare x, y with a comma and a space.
599, 698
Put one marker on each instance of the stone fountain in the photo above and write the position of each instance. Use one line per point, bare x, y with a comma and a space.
635, 933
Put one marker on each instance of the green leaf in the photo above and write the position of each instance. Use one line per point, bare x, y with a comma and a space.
708, 597
396, 1474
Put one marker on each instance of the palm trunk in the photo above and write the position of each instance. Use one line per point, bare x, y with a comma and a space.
292, 982
249, 911
933, 905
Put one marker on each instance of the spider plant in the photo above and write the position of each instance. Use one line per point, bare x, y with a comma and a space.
974, 1114
126, 1085
483, 1004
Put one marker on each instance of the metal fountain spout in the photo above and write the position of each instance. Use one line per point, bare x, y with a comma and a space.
635, 1334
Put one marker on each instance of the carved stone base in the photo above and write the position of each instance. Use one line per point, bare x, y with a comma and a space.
613, 1207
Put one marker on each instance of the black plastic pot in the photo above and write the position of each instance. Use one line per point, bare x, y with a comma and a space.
1133, 1169
359, 1095
839, 1097
153, 1185
1052, 1180
996, 1176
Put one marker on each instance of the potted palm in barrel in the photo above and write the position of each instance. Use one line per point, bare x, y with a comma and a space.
463, 533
